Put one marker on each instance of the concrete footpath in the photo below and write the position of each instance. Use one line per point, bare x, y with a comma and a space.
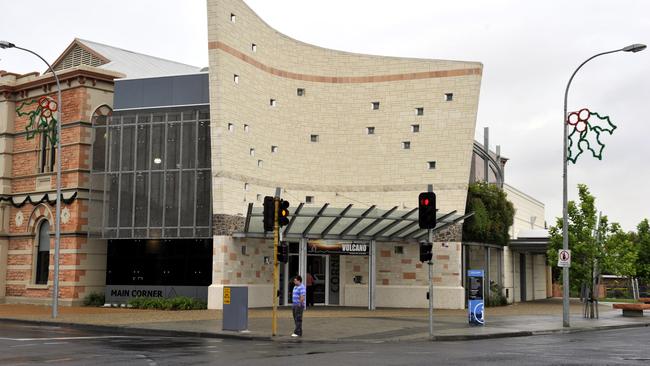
333, 324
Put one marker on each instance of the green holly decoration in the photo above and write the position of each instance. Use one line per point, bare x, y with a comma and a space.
586, 134
41, 119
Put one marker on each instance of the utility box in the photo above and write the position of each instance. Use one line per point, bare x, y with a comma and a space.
235, 308
475, 298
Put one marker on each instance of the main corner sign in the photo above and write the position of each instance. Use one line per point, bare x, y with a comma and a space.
564, 258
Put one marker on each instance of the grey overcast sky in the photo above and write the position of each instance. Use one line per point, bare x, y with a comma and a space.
528, 49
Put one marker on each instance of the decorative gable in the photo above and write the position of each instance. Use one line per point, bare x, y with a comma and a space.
77, 55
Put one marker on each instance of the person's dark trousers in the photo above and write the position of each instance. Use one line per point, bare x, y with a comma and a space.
297, 318
310, 295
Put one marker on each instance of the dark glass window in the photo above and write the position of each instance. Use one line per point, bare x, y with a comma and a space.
155, 262
99, 149
141, 199
43, 256
157, 147
171, 198
156, 200
158, 183
142, 147
115, 143
173, 152
128, 147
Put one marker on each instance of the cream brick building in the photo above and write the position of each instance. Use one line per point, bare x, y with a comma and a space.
339, 128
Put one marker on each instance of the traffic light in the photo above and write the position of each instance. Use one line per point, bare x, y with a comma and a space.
269, 213
283, 252
283, 213
427, 210
426, 249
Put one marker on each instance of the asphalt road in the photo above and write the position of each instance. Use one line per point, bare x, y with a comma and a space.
45, 345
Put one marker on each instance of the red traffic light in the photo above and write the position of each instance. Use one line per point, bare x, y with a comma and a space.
427, 210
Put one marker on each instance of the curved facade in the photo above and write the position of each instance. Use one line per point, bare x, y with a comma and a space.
338, 127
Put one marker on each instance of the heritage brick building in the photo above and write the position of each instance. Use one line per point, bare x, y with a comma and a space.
87, 71
28, 187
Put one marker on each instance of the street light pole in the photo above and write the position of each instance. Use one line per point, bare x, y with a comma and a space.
57, 235
565, 213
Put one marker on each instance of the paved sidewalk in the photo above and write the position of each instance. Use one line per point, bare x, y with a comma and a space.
332, 324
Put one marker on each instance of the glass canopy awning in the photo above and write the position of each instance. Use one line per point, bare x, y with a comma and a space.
347, 223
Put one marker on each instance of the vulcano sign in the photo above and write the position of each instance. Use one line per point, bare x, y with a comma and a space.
336, 247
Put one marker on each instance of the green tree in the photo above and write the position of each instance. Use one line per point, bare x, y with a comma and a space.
493, 214
642, 240
620, 252
582, 243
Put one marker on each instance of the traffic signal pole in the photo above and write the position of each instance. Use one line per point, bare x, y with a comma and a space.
430, 289
276, 277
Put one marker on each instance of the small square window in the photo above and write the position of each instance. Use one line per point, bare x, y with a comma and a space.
406, 145
254, 47
375, 106
243, 250
260, 163
399, 249
258, 197
233, 18
370, 130
246, 128
300, 92
235, 79
415, 128
246, 186
314, 138
432, 165
309, 199
231, 127
449, 97
252, 151
274, 149
419, 111
272, 102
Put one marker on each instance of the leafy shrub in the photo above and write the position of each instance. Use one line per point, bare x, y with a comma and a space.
495, 296
94, 299
174, 303
493, 214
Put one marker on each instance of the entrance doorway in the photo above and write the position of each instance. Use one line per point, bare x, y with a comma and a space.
325, 271
317, 267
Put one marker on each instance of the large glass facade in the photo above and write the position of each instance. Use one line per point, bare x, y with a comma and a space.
150, 174
155, 262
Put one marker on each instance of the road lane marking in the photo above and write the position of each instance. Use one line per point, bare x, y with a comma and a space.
63, 338
25, 345
361, 352
60, 360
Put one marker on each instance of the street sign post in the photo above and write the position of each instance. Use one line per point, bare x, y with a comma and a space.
564, 258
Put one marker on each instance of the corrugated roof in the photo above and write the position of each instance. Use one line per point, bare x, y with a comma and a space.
137, 65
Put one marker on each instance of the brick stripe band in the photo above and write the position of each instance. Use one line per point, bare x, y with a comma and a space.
341, 79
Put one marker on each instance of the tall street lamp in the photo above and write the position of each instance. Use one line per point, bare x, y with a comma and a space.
565, 220
57, 237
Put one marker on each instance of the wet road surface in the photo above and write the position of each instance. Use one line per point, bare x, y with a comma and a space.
22, 344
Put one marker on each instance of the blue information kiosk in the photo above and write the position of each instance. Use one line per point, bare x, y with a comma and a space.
475, 302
